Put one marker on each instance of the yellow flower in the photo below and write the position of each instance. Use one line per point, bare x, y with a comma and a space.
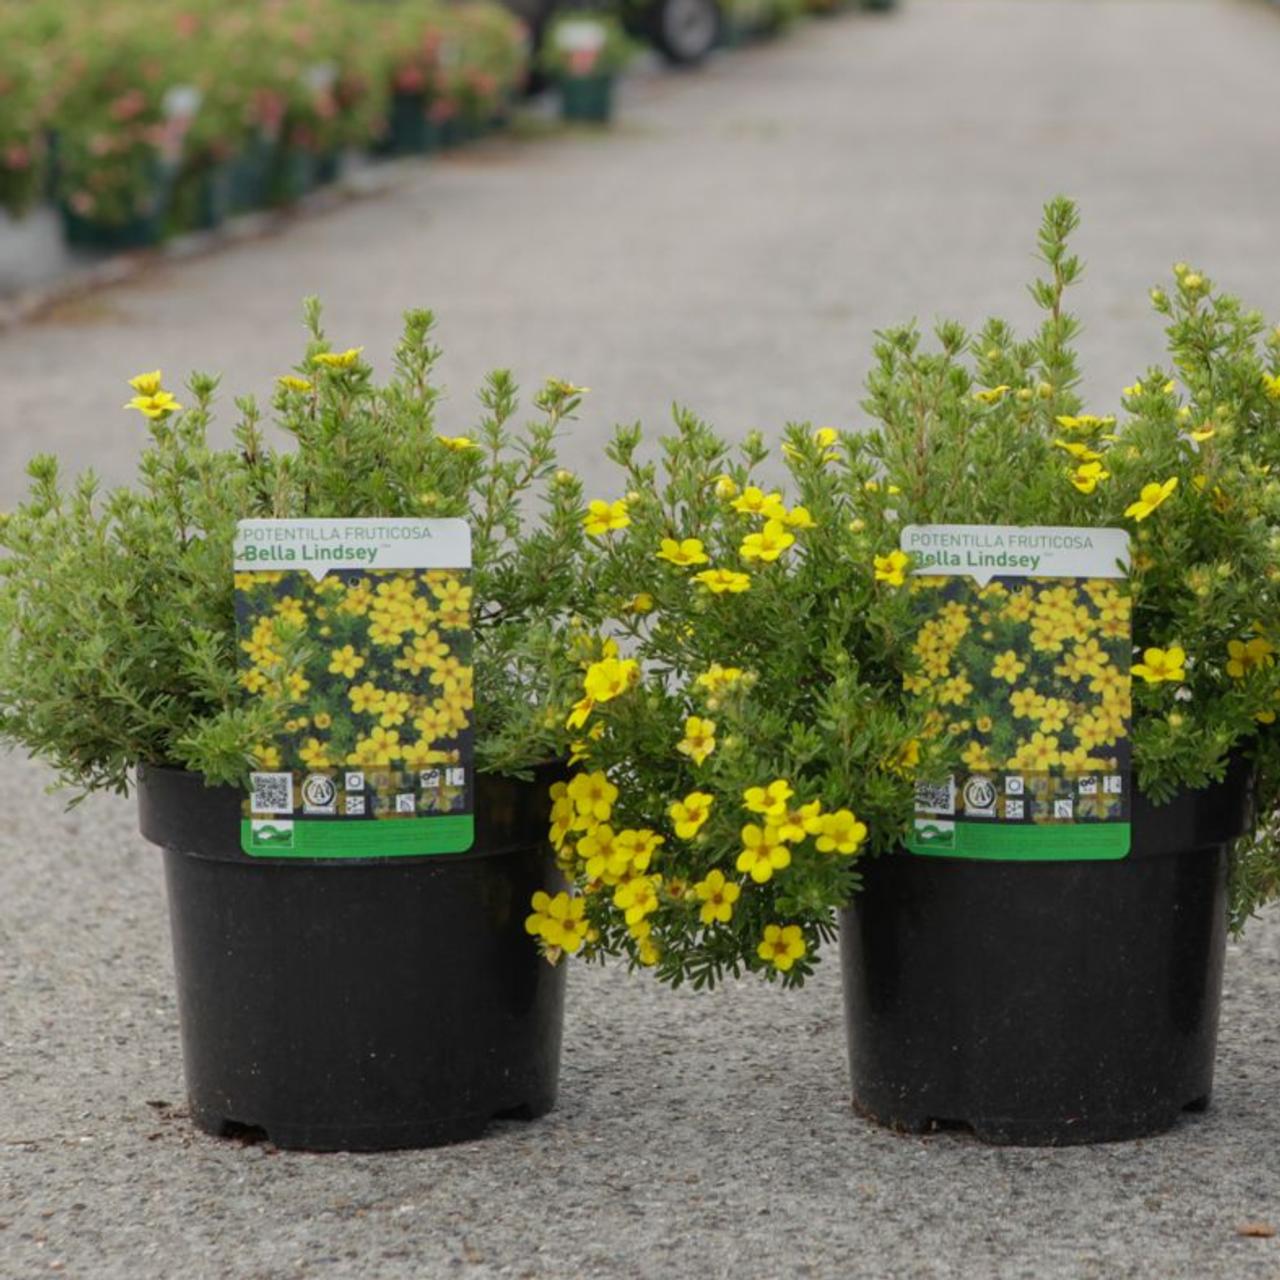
1202, 433
768, 544
1151, 497
345, 662
771, 800
717, 896
977, 757
604, 517
314, 755
458, 444
580, 713
726, 486
1088, 476
290, 383
254, 681
366, 697
992, 395
384, 745
715, 679
841, 832
394, 710
592, 795
1161, 664
1086, 421
606, 679
558, 921
690, 814
683, 553
755, 502
1008, 666
795, 824
763, 852
892, 568
639, 604
266, 757
421, 755
1271, 384
603, 856
159, 405
147, 384
1246, 656
718, 581
798, 518
637, 898
1079, 451
954, 691
699, 739
337, 359
782, 946
323, 720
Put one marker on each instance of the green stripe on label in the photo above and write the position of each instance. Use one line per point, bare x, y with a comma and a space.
1004, 842
398, 838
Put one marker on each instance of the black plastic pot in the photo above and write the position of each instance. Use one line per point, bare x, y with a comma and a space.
587, 99
359, 1005
1045, 1003
407, 126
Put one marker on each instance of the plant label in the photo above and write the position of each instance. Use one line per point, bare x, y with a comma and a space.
1022, 649
355, 647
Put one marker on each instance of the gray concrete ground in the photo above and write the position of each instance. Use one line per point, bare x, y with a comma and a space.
731, 245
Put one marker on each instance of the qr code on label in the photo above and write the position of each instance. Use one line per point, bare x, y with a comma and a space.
271, 792
936, 797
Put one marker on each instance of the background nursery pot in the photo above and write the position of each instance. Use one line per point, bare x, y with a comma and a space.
587, 99
359, 1005
1046, 1003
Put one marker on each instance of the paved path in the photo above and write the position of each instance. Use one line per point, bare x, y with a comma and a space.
732, 245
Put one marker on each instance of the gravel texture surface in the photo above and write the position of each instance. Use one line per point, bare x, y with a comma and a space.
732, 245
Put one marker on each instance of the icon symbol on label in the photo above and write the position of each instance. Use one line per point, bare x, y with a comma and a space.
1064, 809
406, 803
354, 781
319, 794
1088, 786
1013, 785
355, 806
1113, 784
980, 797
1014, 810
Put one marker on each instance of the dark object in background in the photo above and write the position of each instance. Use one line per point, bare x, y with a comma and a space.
683, 31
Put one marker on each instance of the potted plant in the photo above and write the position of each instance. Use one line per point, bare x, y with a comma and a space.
791, 688
119, 131
325, 1001
583, 53
23, 145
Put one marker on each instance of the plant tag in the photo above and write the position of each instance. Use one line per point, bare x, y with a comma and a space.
1023, 643
361, 631
580, 35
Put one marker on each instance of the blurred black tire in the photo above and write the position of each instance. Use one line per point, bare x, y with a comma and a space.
684, 31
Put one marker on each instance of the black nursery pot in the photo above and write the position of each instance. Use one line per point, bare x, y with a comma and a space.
1045, 1003
359, 1005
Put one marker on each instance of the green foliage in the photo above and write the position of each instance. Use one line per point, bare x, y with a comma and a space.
302, 78
117, 610
585, 43
975, 428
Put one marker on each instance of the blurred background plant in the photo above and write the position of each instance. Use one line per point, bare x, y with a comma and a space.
159, 118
